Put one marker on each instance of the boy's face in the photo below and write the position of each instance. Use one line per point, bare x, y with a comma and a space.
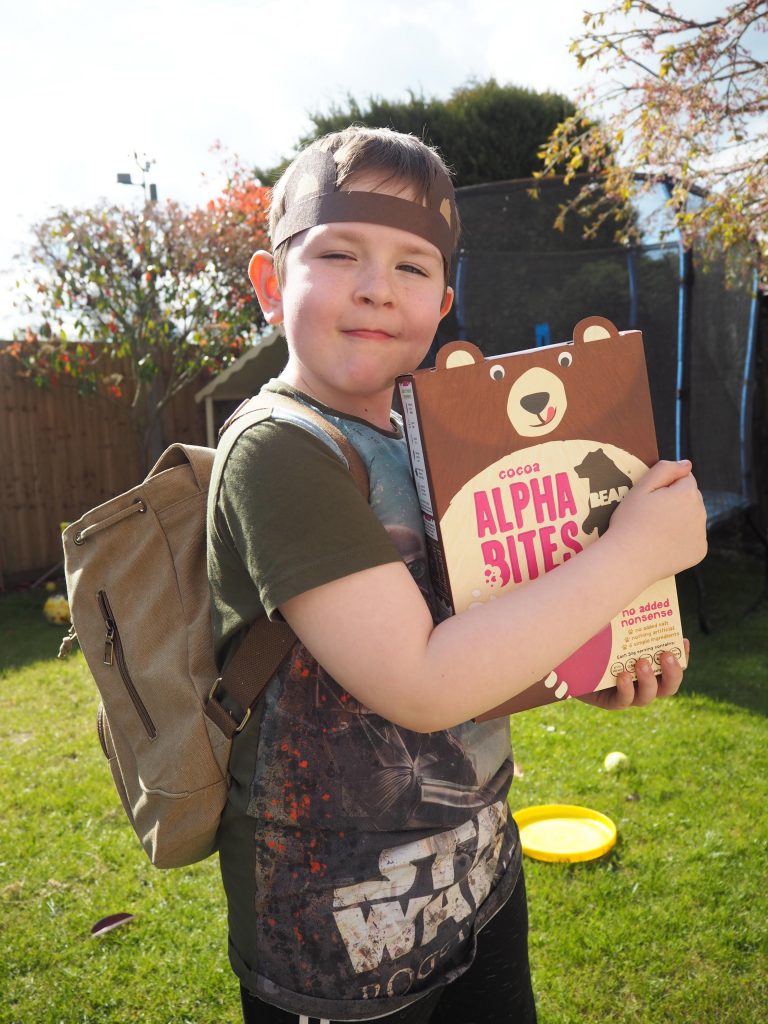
360, 303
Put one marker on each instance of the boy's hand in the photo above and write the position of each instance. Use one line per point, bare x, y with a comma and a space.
630, 694
662, 522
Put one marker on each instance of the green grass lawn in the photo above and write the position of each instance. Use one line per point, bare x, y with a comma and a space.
669, 927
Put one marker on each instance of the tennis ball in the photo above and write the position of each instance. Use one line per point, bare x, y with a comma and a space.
615, 761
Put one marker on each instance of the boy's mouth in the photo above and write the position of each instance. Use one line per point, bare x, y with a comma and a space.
368, 334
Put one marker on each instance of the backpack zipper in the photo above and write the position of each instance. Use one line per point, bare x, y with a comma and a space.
113, 651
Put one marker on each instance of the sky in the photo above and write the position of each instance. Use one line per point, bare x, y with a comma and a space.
86, 83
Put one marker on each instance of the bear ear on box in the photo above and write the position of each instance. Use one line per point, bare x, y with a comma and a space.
594, 328
456, 354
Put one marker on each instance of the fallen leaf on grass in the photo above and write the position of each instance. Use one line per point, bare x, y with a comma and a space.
107, 924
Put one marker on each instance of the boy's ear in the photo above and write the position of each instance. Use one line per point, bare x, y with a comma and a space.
447, 302
261, 271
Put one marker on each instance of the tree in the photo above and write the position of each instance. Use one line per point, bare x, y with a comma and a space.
162, 287
486, 131
686, 104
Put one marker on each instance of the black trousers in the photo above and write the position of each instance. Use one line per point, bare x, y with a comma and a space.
495, 990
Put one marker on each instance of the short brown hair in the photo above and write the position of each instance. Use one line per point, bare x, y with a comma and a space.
358, 150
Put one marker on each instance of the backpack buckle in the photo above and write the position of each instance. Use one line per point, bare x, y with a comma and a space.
221, 699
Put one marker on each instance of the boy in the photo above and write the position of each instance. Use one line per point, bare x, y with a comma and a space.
371, 866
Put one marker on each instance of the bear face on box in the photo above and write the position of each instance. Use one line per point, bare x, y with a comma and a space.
595, 388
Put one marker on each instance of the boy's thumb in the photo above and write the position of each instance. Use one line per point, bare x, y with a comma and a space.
665, 473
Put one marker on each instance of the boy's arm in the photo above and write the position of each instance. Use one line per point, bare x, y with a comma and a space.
373, 633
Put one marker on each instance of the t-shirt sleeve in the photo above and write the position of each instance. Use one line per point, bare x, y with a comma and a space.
290, 510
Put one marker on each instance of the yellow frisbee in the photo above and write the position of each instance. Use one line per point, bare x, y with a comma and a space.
564, 832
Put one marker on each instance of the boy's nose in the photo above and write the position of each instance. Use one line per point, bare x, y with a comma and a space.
374, 286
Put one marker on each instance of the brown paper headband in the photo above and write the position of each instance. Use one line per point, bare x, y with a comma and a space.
311, 198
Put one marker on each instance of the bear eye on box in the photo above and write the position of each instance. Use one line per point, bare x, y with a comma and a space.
565, 359
497, 372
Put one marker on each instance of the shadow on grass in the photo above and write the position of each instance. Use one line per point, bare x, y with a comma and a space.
729, 664
25, 635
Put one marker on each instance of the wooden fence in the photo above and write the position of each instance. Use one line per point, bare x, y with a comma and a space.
61, 454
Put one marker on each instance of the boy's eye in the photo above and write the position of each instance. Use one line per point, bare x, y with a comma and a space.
411, 269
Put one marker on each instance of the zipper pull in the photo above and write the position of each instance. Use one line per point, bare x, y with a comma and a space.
109, 643
67, 643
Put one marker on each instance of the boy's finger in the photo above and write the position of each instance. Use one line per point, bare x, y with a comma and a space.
625, 691
647, 684
671, 676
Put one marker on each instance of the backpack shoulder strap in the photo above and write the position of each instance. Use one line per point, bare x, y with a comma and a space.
304, 415
266, 643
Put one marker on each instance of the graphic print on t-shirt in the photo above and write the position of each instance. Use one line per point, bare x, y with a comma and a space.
417, 891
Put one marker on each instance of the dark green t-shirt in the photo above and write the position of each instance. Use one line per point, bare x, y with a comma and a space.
288, 518
359, 858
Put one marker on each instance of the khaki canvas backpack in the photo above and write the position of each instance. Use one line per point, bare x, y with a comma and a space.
140, 607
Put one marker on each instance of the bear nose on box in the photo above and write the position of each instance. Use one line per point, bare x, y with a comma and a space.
535, 403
